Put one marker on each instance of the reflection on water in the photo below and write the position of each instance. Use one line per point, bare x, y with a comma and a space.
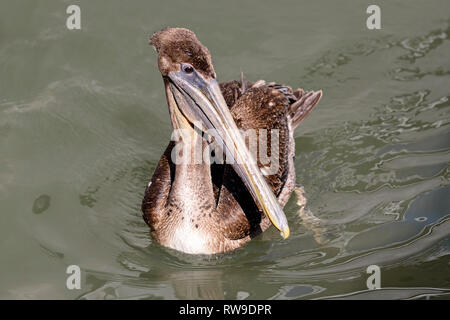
83, 122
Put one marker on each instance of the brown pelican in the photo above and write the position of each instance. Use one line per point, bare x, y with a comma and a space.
207, 208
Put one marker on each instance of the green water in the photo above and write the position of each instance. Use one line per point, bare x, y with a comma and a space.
83, 122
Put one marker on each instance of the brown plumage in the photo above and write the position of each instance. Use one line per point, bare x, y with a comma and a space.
206, 208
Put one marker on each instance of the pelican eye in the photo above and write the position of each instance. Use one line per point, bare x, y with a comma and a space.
187, 68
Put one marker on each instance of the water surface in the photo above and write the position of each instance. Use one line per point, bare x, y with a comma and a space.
83, 122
